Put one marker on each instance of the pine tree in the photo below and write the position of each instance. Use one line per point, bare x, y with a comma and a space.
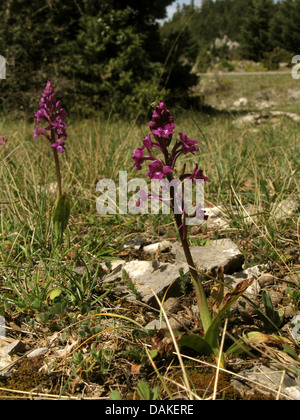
285, 26
30, 34
100, 54
255, 38
109, 63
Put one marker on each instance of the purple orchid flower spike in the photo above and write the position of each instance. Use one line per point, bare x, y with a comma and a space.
50, 124
160, 136
162, 130
52, 115
2, 143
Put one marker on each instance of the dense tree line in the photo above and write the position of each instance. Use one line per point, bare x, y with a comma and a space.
114, 56
265, 30
103, 55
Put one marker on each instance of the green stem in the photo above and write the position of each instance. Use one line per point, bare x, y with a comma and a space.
200, 293
58, 176
205, 315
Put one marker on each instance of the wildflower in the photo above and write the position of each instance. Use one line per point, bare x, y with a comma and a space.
160, 117
165, 131
138, 157
147, 142
59, 145
2, 141
162, 128
188, 145
157, 170
53, 116
198, 174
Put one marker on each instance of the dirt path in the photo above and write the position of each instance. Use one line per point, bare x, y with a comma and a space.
245, 73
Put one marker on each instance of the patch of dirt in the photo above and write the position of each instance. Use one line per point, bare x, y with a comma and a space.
25, 377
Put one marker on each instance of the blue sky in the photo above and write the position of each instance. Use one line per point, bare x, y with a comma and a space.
171, 9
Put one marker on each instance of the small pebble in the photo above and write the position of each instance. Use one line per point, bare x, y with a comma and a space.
276, 297
159, 246
38, 352
16, 346
266, 280
172, 305
296, 329
2, 326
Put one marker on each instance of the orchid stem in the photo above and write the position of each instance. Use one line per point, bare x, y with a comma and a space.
200, 293
58, 176
199, 290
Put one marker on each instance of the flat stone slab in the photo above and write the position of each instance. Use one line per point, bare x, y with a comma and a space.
221, 252
154, 276
268, 381
148, 276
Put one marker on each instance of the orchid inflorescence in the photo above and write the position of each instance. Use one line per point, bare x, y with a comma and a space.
3, 141
160, 137
53, 115
162, 129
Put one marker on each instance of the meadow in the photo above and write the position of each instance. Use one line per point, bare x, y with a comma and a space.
52, 296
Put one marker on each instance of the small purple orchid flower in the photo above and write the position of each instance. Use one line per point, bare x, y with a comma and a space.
2, 141
138, 157
188, 145
147, 143
157, 170
198, 174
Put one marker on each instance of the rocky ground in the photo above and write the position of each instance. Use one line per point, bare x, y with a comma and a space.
38, 361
